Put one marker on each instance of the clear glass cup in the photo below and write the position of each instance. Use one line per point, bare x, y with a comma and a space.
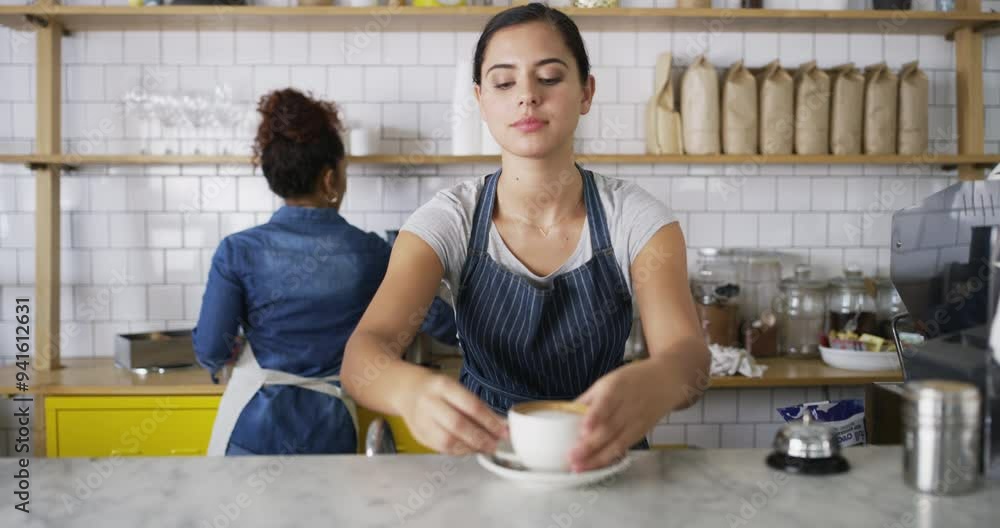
169, 114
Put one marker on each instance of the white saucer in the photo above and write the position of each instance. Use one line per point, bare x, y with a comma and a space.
511, 470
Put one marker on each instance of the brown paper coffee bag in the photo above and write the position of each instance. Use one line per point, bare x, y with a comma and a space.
663, 122
847, 95
777, 110
739, 111
881, 93
812, 110
913, 131
700, 108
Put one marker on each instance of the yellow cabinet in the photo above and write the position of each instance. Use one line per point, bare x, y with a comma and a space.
85, 426
100, 426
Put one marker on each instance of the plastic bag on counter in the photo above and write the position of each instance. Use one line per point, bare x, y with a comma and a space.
846, 417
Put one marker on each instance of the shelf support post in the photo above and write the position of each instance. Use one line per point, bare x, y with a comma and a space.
969, 87
48, 84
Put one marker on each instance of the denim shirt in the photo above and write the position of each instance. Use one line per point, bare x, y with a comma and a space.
297, 286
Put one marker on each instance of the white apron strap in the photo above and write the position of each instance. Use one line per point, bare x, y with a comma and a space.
323, 384
246, 379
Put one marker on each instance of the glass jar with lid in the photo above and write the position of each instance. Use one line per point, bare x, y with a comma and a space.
719, 262
801, 314
888, 304
717, 303
758, 273
851, 304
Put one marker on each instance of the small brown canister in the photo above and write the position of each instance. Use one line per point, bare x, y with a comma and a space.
760, 338
941, 438
720, 323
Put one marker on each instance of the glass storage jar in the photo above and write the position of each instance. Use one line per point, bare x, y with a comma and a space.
718, 308
851, 304
888, 304
758, 274
801, 314
719, 262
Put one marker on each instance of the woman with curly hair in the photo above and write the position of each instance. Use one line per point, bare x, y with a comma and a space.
297, 287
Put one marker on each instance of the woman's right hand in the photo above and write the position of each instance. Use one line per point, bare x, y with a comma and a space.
444, 416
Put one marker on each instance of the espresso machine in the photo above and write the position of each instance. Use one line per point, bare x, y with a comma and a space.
945, 264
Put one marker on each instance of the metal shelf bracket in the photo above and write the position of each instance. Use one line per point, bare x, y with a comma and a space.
37, 165
40, 22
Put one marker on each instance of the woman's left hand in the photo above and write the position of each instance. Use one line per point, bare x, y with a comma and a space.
622, 406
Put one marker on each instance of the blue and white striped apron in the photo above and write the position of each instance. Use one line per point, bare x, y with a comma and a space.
522, 342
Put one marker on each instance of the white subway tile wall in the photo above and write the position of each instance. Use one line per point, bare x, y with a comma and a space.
138, 241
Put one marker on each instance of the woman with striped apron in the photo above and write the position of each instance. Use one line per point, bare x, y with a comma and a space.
545, 261
575, 330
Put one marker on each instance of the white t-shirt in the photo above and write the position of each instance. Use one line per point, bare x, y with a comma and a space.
445, 223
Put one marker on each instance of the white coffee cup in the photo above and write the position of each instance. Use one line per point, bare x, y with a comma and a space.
543, 433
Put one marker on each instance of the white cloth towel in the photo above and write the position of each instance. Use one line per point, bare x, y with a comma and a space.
729, 361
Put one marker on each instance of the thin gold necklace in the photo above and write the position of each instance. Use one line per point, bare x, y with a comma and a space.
547, 229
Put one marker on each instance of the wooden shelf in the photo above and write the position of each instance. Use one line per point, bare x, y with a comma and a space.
100, 376
93, 376
936, 160
86, 18
783, 372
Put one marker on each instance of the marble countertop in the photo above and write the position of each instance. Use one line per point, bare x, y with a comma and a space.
684, 488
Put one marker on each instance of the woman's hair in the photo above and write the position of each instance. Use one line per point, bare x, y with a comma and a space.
298, 139
533, 12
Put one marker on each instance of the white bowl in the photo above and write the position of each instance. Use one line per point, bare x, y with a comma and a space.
859, 359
